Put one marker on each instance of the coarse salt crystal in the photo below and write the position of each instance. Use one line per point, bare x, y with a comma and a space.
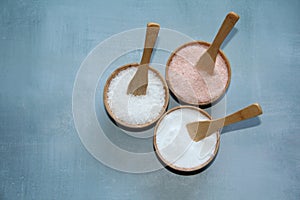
135, 110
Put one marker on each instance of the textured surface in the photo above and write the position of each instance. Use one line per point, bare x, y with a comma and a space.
42, 46
191, 86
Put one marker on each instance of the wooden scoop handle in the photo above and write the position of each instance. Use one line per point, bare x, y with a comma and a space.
224, 30
139, 83
151, 36
201, 129
246, 113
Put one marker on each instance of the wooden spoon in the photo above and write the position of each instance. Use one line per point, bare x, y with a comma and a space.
201, 129
139, 82
208, 58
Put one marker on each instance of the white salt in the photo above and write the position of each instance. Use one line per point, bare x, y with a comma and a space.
175, 145
135, 110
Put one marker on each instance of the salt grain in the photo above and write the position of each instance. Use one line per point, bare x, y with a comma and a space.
135, 110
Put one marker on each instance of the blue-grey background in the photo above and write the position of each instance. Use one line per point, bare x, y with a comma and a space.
42, 44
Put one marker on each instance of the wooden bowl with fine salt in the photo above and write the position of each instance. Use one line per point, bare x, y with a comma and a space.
123, 123
174, 147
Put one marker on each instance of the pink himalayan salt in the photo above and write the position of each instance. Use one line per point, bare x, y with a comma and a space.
191, 85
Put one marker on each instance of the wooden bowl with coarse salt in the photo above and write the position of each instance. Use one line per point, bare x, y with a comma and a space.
136, 95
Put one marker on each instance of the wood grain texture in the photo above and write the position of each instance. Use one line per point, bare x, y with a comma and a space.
208, 58
200, 129
139, 83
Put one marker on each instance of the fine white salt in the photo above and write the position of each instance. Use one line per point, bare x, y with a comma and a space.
174, 143
135, 110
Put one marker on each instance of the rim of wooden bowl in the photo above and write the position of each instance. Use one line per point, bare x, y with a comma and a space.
182, 169
121, 122
214, 100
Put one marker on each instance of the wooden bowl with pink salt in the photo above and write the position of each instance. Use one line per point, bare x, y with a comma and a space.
198, 72
192, 86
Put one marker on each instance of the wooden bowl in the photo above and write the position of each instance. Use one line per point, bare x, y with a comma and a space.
121, 122
206, 103
173, 167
